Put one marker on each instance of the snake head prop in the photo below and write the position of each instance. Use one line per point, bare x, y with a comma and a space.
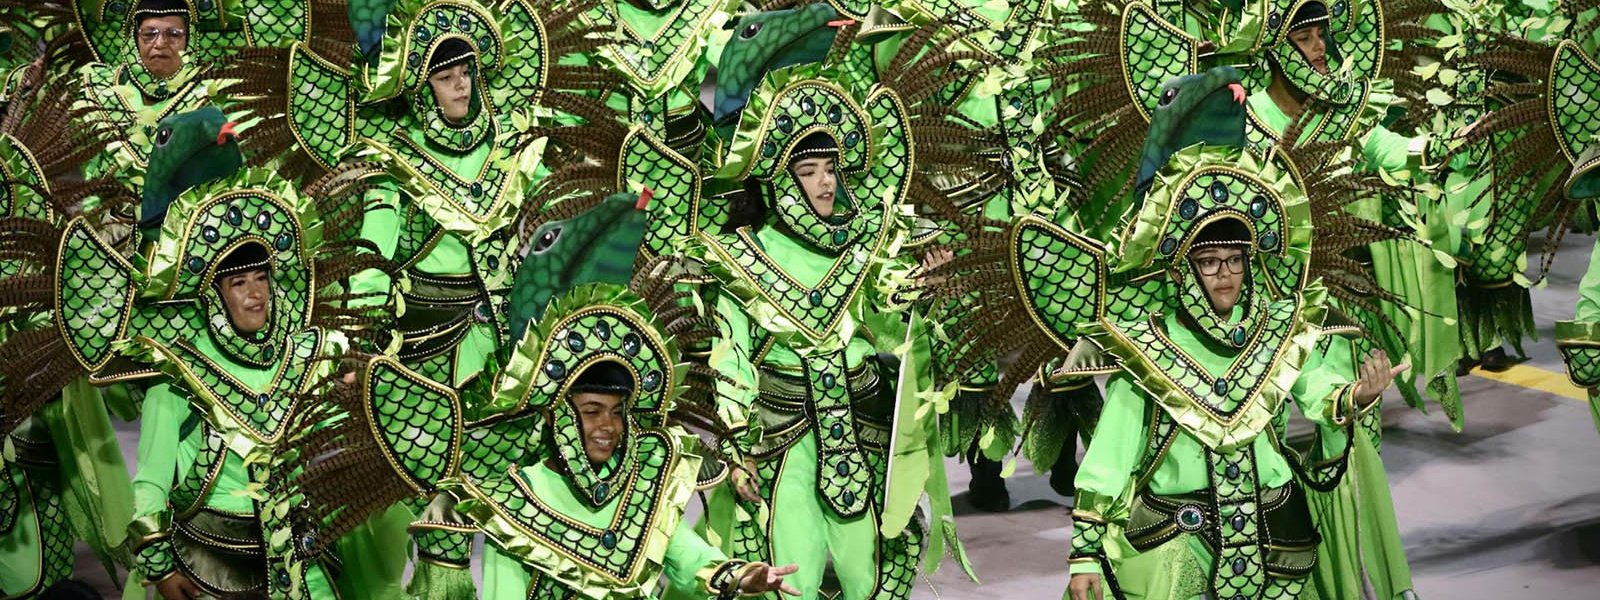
1205, 108
765, 41
596, 246
190, 149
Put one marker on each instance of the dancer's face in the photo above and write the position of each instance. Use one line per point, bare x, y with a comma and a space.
1308, 40
248, 298
1221, 271
602, 419
818, 181
161, 42
452, 90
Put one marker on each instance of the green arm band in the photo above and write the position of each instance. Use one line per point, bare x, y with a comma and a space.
151, 541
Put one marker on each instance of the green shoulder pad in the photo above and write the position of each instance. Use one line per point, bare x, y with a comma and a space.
1574, 86
674, 181
322, 106
1062, 274
94, 294
417, 420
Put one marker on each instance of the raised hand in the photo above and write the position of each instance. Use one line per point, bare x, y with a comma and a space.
1376, 375
766, 578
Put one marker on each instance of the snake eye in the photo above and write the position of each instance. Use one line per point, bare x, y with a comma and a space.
1168, 95
163, 136
546, 239
749, 31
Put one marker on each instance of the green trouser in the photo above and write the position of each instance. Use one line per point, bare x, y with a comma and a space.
806, 532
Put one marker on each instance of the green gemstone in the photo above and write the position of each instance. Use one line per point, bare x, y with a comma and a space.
840, 236
816, 297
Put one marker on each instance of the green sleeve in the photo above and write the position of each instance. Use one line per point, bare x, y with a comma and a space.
1589, 289
1325, 381
1390, 151
159, 435
733, 355
381, 226
504, 577
689, 561
1106, 470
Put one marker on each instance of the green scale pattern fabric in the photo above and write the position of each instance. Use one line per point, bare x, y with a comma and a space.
155, 558
492, 448
191, 489
541, 587
95, 303
323, 101
443, 545
1240, 564
843, 477
675, 183
1063, 276
55, 535
614, 550
263, 414
413, 422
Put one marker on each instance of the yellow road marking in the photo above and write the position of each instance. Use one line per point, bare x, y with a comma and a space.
1535, 378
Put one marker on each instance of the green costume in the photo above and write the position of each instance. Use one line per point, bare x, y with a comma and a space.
808, 303
218, 408
559, 525
66, 479
1186, 489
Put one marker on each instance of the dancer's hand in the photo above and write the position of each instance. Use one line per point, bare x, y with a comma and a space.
178, 587
1376, 376
1085, 586
744, 482
766, 578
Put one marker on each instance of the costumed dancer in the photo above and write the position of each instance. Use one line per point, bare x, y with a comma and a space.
1031, 176
1205, 308
226, 318
591, 504
809, 265
66, 480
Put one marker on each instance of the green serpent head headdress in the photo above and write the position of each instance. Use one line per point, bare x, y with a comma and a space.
766, 41
596, 246
191, 148
209, 223
790, 116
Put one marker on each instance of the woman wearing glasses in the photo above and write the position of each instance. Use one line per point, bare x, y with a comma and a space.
153, 80
1159, 469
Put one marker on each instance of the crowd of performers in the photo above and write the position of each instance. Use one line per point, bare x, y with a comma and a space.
382, 280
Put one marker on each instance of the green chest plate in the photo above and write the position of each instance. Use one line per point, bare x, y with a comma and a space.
1220, 398
261, 415
647, 57
458, 201
617, 550
814, 311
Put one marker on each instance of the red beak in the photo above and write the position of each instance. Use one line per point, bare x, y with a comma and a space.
227, 133
841, 23
644, 199
1238, 92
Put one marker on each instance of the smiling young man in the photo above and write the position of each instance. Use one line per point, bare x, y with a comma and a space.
600, 396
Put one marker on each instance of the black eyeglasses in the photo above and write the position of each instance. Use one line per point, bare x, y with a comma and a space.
1211, 265
176, 34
